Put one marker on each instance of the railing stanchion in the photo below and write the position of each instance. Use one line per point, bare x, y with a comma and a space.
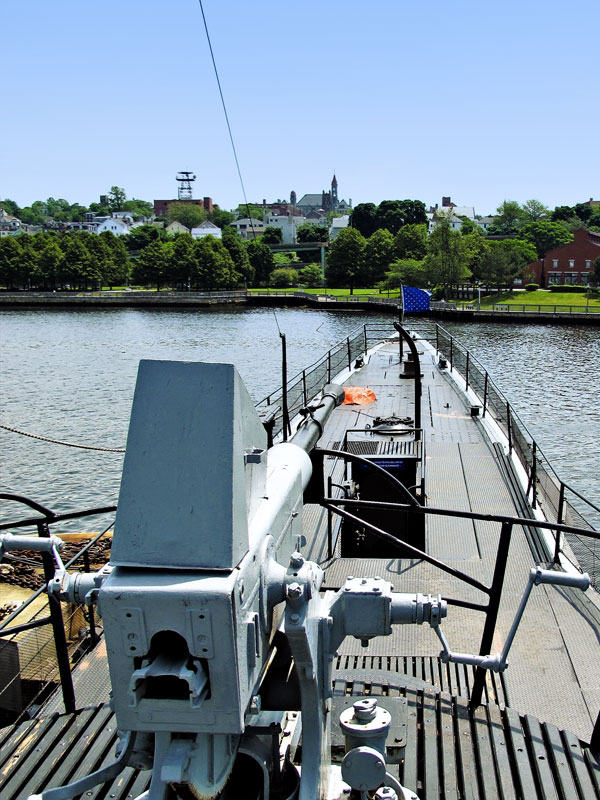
451, 353
531, 484
487, 638
485, 393
58, 629
508, 428
304, 395
559, 519
349, 353
467, 372
329, 521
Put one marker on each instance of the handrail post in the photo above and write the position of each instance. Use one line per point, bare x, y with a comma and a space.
437, 338
467, 372
559, 519
329, 366
531, 485
58, 628
508, 428
365, 337
349, 352
485, 392
487, 637
329, 521
451, 352
304, 396
284, 400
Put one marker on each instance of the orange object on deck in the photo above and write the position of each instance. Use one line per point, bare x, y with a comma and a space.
358, 396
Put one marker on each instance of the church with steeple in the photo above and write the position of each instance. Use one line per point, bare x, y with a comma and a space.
326, 201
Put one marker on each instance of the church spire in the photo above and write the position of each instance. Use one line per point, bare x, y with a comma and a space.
334, 193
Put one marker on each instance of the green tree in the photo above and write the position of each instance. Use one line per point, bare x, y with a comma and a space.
187, 214
10, 262
101, 264
272, 235
220, 217
11, 208
73, 269
583, 211
312, 233
411, 242
405, 272
249, 211
284, 277
377, 256
49, 258
562, 213
595, 273
445, 263
473, 247
363, 218
238, 252
344, 259
182, 264
215, 268
509, 220
117, 272
151, 266
116, 198
534, 210
505, 261
545, 236
389, 215
261, 261
139, 209
35, 214
394, 214
311, 276
141, 236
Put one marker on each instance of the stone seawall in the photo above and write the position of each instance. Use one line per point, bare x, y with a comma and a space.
174, 300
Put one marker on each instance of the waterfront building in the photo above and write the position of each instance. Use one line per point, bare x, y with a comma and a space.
570, 264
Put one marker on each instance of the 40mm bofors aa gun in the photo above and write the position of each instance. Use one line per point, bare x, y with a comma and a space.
220, 643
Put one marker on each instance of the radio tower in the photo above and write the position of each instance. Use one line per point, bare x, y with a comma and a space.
185, 179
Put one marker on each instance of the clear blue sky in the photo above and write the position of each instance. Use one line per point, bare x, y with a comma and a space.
483, 101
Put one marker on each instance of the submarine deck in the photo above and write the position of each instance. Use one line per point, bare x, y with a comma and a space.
558, 641
527, 741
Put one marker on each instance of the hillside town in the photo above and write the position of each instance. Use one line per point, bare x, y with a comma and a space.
316, 239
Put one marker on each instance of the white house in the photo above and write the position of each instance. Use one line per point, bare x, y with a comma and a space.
338, 224
288, 223
9, 225
206, 228
117, 226
485, 222
249, 228
176, 227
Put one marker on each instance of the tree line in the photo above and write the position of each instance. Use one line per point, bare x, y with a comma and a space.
147, 256
441, 258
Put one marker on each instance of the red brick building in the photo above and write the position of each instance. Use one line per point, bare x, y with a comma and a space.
569, 264
161, 207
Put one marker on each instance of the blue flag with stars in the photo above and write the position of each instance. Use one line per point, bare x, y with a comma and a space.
415, 299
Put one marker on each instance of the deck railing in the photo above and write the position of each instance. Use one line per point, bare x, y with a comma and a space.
545, 308
559, 502
41, 639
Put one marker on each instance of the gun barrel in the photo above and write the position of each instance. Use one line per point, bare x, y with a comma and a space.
311, 429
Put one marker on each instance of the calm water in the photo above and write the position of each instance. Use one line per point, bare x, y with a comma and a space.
71, 375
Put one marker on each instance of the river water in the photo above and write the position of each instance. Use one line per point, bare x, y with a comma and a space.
70, 376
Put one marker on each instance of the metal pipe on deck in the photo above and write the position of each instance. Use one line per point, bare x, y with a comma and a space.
311, 429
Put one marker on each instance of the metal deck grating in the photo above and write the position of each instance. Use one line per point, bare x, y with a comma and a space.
447, 751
